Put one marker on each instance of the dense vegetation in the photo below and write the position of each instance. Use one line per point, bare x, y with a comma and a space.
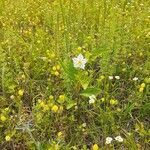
74, 75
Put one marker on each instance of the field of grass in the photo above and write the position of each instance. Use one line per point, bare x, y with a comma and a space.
74, 75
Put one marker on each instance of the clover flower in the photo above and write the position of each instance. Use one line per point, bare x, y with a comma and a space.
110, 77
79, 61
108, 140
84, 125
119, 138
117, 77
92, 99
135, 79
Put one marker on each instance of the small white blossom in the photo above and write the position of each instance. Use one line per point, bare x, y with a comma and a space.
135, 79
92, 99
110, 77
108, 140
84, 125
79, 61
119, 138
117, 77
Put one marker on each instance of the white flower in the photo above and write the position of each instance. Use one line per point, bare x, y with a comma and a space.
117, 77
79, 61
110, 77
92, 99
108, 140
84, 125
135, 79
119, 138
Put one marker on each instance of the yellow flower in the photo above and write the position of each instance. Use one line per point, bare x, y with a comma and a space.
7, 138
45, 108
42, 104
113, 102
79, 49
143, 85
3, 118
52, 55
103, 99
55, 108
23, 76
20, 92
61, 98
102, 77
123, 69
54, 68
59, 134
95, 147
141, 54
58, 67
141, 89
56, 73
51, 97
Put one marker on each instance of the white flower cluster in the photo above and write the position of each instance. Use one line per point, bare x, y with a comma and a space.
92, 99
116, 77
117, 138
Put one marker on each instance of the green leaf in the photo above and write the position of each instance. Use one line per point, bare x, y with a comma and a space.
90, 91
69, 69
70, 104
83, 78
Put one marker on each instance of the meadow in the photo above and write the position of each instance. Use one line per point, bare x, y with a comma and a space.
74, 75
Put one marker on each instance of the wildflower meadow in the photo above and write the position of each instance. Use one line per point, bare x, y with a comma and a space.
74, 75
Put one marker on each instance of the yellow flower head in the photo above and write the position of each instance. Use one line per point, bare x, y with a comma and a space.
102, 77
55, 108
54, 68
56, 73
42, 104
53, 55
141, 89
23, 76
59, 134
58, 67
7, 138
3, 118
95, 147
45, 108
102, 99
21, 92
51, 97
61, 98
79, 49
113, 102
143, 85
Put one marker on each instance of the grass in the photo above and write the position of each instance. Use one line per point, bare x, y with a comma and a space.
44, 98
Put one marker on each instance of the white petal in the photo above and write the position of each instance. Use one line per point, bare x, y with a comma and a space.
110, 77
80, 57
84, 61
82, 66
